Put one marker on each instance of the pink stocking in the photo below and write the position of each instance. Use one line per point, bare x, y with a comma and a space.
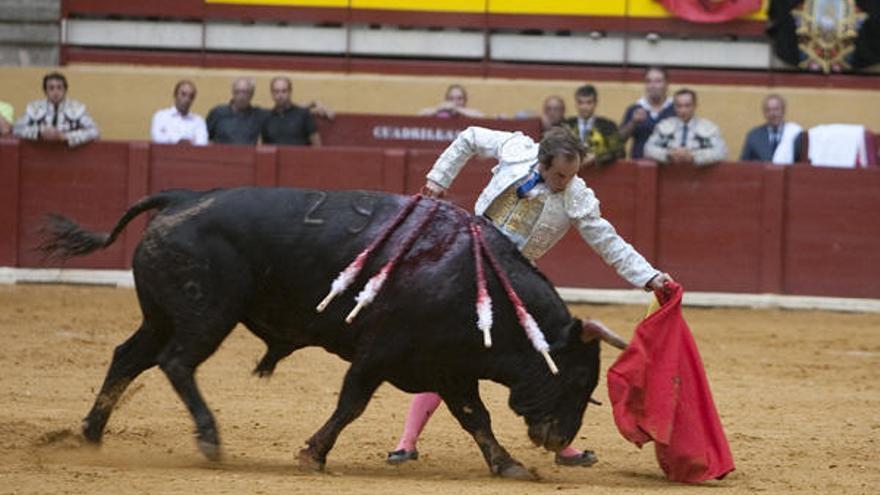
569, 452
420, 410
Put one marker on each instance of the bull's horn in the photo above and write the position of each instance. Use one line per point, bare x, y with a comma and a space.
594, 329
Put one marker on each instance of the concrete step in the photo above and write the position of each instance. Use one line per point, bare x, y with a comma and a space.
28, 55
30, 33
30, 10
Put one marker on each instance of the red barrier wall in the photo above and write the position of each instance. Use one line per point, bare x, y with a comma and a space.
341, 168
737, 227
190, 167
627, 198
715, 213
832, 238
90, 185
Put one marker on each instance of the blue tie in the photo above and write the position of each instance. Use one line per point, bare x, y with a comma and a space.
684, 136
529, 184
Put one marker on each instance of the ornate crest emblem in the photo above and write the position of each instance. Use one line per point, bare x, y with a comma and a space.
826, 31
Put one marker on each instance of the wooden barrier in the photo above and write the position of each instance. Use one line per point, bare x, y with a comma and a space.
341, 168
89, 185
832, 239
734, 227
9, 202
627, 198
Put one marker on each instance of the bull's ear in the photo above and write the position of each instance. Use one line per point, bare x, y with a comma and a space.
571, 335
595, 329
575, 330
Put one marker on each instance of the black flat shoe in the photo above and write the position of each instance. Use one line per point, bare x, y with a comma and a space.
401, 456
586, 458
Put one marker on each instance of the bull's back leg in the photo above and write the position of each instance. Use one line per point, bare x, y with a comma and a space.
179, 361
357, 389
204, 295
199, 329
465, 404
130, 359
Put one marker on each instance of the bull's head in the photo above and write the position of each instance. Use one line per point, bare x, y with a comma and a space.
554, 407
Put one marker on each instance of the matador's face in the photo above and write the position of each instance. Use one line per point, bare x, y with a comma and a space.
55, 91
560, 172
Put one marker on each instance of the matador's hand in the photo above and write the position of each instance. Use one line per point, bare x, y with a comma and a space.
659, 282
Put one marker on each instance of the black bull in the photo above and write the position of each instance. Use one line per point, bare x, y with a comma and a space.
266, 257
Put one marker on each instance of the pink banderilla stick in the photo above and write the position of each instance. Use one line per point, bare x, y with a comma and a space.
525, 319
484, 302
371, 290
347, 276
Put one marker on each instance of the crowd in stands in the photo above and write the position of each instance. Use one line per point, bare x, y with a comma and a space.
664, 128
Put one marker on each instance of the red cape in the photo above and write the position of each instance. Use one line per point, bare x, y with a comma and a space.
659, 392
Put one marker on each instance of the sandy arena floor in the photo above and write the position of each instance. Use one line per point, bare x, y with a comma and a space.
798, 392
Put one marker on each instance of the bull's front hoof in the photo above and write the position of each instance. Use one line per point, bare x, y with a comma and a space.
516, 471
208, 442
308, 461
91, 434
209, 449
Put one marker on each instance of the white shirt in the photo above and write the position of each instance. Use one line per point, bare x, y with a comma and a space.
644, 103
170, 127
784, 153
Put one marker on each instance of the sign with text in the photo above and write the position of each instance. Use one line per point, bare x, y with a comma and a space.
399, 131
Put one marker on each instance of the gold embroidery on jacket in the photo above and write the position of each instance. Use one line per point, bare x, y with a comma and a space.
515, 216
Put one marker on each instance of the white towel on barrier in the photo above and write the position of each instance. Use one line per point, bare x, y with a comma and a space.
837, 145
784, 153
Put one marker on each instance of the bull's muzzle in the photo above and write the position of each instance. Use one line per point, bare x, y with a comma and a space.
545, 435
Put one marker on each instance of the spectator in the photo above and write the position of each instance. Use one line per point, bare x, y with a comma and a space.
7, 113
56, 118
600, 135
237, 122
288, 123
177, 124
552, 113
775, 141
454, 104
641, 117
686, 138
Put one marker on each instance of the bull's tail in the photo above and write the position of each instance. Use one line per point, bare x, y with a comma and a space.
64, 238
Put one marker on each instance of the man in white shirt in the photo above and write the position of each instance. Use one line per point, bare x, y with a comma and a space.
641, 117
177, 124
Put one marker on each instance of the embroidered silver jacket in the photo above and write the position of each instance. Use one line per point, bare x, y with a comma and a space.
73, 121
576, 205
703, 140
